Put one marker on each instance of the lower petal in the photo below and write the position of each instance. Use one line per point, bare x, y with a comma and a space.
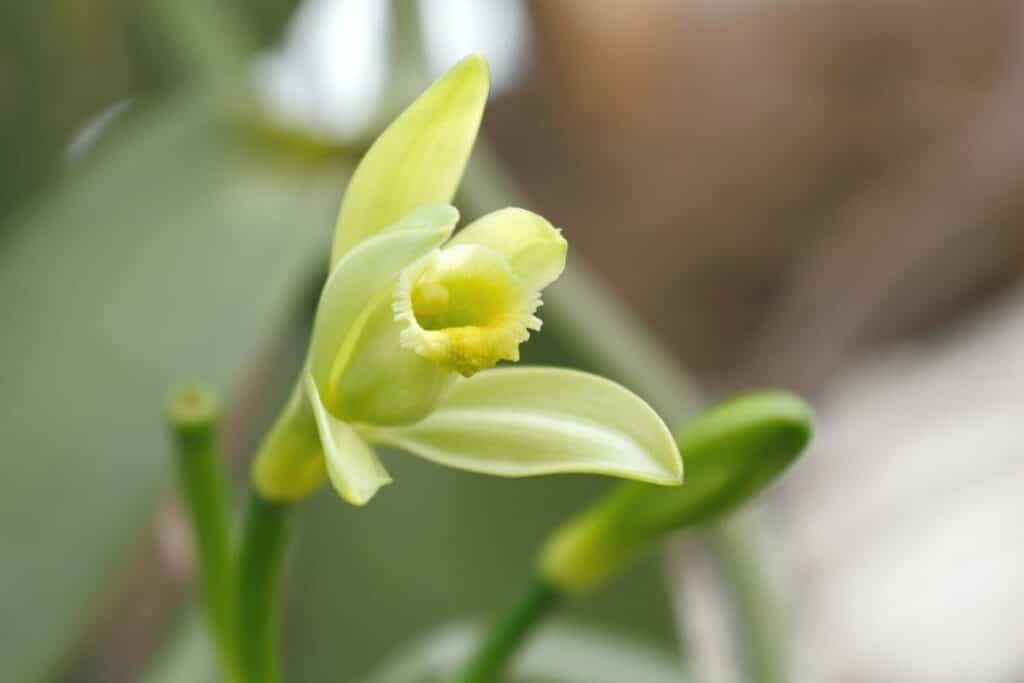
290, 461
352, 465
518, 422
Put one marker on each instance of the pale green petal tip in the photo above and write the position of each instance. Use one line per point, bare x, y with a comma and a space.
534, 248
476, 61
358, 493
472, 71
419, 159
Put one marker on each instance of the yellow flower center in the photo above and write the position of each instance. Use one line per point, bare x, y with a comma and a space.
465, 309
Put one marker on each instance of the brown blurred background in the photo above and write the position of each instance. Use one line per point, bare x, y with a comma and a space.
778, 186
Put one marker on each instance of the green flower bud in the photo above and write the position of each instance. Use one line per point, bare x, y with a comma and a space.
732, 452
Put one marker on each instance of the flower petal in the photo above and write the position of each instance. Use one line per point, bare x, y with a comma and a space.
354, 468
384, 383
418, 159
516, 422
363, 273
532, 246
290, 462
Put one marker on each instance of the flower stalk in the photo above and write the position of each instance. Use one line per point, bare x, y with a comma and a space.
264, 542
509, 632
193, 415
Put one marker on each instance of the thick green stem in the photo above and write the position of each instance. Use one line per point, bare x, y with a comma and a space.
193, 414
263, 545
509, 632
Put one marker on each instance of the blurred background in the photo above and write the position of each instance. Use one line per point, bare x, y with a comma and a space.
824, 195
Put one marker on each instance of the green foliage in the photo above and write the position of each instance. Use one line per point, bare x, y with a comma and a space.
175, 251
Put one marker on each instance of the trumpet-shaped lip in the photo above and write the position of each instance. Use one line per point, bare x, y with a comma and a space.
464, 308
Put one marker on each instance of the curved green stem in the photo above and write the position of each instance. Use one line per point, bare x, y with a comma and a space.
260, 560
193, 414
509, 633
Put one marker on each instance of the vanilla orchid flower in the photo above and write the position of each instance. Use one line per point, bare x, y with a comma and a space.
412, 320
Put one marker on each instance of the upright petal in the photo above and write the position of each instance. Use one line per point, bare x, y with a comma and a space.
418, 159
533, 247
516, 422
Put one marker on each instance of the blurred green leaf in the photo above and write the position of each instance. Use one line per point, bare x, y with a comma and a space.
171, 253
561, 653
